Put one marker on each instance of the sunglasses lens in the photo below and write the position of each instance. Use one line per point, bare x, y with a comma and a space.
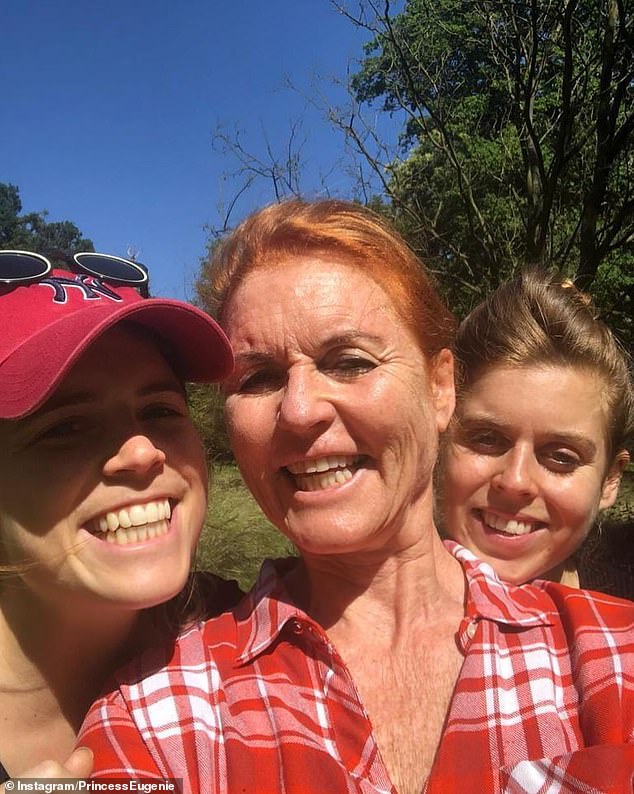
18, 266
113, 268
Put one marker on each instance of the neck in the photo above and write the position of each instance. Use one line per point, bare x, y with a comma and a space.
59, 656
564, 573
421, 583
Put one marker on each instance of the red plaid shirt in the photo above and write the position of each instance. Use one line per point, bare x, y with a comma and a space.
258, 700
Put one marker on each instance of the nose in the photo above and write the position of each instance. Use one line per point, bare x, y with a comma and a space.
517, 475
136, 454
304, 401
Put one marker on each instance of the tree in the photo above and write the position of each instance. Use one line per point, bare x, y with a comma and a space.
517, 141
32, 232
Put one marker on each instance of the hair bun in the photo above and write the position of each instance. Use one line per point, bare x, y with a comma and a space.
583, 297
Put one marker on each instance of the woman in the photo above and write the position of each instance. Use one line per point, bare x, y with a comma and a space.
544, 415
382, 660
102, 489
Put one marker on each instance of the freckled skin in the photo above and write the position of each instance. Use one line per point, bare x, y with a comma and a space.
325, 366
528, 443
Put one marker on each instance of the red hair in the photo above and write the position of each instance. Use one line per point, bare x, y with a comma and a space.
355, 235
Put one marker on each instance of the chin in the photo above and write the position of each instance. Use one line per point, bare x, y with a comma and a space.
151, 589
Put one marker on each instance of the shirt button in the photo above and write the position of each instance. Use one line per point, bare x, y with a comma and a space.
296, 627
471, 629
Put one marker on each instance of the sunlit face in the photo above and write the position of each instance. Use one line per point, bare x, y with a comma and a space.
332, 413
113, 447
526, 470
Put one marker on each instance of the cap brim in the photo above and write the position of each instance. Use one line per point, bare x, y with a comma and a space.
202, 353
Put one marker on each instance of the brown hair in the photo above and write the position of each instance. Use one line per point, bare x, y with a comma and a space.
540, 318
349, 231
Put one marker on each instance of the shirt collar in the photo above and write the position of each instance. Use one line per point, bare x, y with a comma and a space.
489, 598
265, 611
268, 608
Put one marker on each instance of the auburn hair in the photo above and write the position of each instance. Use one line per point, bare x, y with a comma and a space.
341, 230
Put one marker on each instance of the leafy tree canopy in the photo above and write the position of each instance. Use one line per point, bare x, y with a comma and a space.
517, 143
32, 232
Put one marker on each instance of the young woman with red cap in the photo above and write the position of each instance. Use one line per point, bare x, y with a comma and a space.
102, 488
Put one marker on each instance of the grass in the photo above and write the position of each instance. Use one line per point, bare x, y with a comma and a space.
237, 535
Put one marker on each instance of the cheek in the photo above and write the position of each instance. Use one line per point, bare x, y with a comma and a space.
188, 457
576, 503
462, 474
250, 425
25, 539
400, 411
36, 509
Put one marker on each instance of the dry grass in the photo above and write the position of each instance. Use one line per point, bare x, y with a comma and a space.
237, 536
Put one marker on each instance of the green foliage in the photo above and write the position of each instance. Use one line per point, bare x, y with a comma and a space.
206, 408
32, 232
237, 537
518, 139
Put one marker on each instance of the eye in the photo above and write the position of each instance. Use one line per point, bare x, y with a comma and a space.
164, 411
260, 381
563, 461
64, 430
486, 442
348, 365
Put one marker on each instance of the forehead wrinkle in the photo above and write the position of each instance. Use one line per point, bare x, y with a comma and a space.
350, 336
339, 339
253, 357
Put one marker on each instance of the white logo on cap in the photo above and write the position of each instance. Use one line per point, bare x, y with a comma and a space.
89, 286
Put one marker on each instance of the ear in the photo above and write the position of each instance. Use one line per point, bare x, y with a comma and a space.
612, 480
443, 388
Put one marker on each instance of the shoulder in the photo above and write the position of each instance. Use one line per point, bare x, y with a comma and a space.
585, 613
541, 603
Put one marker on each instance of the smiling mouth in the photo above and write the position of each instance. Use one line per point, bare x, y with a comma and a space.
510, 527
133, 524
322, 473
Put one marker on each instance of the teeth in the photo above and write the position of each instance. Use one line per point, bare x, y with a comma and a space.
323, 464
317, 482
511, 527
135, 523
152, 512
136, 534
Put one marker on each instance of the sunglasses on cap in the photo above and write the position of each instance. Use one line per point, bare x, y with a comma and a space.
24, 267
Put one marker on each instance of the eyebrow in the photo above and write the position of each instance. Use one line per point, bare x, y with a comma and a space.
80, 397
571, 437
353, 335
336, 340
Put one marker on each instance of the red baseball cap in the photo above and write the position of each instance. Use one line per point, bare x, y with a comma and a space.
47, 325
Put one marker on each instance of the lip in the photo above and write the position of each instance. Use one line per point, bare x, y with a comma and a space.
497, 540
129, 504
319, 462
516, 525
325, 473
324, 491
160, 545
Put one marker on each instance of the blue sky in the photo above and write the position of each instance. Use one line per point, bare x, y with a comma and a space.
110, 109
